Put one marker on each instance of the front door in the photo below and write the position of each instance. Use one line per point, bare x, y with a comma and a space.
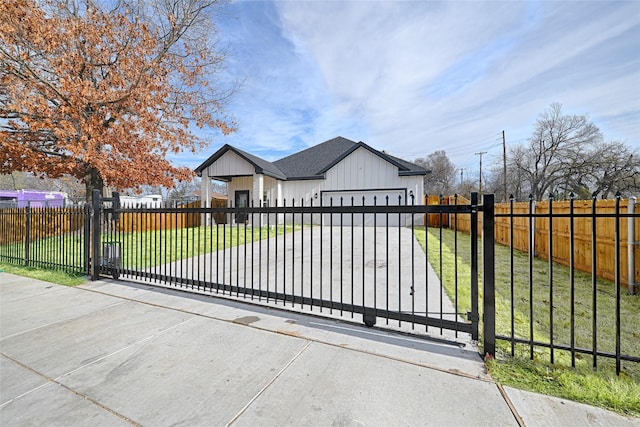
242, 201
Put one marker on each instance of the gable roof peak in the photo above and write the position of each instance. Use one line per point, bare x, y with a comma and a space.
312, 162
260, 165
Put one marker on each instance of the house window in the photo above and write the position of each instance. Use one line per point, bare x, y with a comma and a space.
265, 198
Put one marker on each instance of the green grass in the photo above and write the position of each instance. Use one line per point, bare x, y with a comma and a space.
151, 248
601, 387
140, 250
53, 276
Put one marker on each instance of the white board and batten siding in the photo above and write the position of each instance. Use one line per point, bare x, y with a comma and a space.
239, 183
230, 164
361, 170
360, 175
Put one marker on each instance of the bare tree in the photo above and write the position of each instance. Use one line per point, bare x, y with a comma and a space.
516, 185
567, 155
29, 181
466, 187
615, 168
555, 152
185, 191
442, 178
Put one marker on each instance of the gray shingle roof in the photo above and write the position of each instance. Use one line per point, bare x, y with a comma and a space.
411, 168
261, 165
316, 160
313, 162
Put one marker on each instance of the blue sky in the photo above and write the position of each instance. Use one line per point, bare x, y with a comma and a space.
413, 77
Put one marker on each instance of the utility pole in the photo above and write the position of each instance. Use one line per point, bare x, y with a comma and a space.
462, 175
480, 154
504, 159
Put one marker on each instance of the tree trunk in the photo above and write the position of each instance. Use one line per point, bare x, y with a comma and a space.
92, 181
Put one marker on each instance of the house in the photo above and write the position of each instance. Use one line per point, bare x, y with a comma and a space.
33, 198
148, 201
333, 172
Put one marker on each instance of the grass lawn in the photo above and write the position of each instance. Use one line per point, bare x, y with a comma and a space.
150, 248
581, 383
139, 249
54, 276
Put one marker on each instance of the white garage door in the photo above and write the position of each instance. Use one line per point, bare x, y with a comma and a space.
356, 198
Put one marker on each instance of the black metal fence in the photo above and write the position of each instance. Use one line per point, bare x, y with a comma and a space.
373, 264
51, 237
558, 310
368, 263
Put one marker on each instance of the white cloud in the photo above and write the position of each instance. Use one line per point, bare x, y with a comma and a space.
426, 75
414, 77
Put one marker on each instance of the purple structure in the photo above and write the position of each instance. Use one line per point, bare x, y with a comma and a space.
33, 198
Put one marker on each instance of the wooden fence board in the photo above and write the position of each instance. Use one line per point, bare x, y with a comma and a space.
582, 254
133, 221
45, 222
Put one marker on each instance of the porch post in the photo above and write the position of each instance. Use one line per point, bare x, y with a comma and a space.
279, 201
205, 197
258, 189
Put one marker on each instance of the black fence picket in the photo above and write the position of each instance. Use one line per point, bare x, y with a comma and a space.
548, 307
299, 255
321, 258
48, 237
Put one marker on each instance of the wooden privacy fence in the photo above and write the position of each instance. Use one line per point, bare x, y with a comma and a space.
159, 219
584, 214
436, 220
149, 220
41, 223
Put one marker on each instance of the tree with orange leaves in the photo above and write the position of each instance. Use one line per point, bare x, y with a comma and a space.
104, 91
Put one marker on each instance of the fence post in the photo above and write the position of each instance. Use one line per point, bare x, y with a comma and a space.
488, 269
474, 316
532, 228
631, 244
617, 279
27, 234
87, 239
95, 234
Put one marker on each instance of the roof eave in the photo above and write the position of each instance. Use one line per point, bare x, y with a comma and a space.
215, 156
413, 173
340, 158
306, 178
273, 175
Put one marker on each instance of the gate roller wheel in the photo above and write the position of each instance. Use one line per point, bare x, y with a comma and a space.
369, 320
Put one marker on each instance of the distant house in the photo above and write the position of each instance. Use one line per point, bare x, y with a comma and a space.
148, 201
333, 172
32, 198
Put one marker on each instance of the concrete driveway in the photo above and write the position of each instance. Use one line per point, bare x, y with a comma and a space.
377, 267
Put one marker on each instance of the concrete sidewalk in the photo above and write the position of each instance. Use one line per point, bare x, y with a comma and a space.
116, 353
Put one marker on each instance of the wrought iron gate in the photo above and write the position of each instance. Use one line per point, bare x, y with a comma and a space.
304, 257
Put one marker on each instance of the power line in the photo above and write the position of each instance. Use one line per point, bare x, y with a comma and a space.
486, 143
504, 154
480, 154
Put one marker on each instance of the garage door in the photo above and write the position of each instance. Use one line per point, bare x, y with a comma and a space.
396, 196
